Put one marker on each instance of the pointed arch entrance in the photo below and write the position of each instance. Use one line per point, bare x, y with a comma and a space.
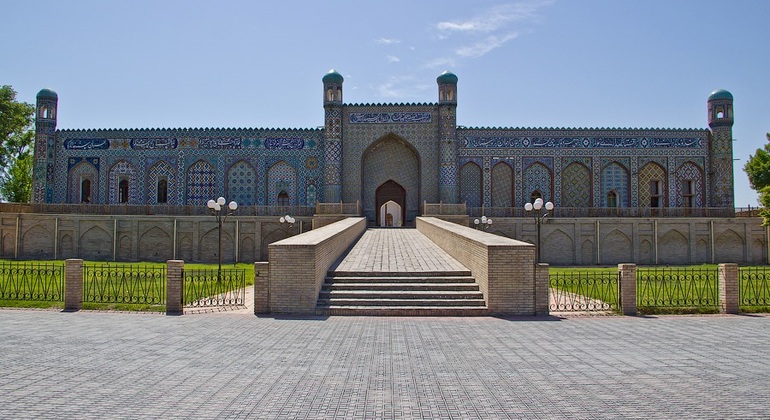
391, 204
390, 170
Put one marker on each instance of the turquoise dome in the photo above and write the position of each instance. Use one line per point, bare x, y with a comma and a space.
333, 77
720, 94
47, 94
447, 77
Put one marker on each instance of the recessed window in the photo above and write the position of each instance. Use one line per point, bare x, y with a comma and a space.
687, 193
612, 199
283, 198
656, 193
123, 191
85, 191
162, 191
535, 195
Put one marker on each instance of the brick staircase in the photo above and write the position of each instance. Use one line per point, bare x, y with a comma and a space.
439, 293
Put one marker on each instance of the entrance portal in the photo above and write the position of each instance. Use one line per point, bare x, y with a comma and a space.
391, 200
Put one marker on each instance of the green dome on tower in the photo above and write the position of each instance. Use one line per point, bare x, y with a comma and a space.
333, 77
47, 94
720, 94
447, 77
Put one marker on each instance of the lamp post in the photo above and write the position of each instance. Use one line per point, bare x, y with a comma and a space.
536, 210
287, 222
483, 224
217, 209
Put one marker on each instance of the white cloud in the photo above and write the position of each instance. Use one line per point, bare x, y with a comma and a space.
392, 59
441, 62
386, 41
493, 19
486, 45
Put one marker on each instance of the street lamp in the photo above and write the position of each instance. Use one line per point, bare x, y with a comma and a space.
536, 210
287, 222
217, 209
483, 224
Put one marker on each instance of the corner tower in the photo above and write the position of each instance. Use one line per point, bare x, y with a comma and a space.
45, 146
720, 117
332, 136
447, 135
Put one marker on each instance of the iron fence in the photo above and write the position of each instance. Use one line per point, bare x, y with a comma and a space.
754, 286
677, 287
210, 287
117, 283
590, 290
34, 281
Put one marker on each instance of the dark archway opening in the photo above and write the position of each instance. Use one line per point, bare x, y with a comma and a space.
390, 191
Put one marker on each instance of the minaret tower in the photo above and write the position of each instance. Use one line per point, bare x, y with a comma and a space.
45, 146
447, 135
720, 114
332, 136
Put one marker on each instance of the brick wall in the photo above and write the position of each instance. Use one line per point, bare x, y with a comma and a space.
503, 267
298, 265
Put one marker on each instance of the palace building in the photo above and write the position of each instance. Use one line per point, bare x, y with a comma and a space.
390, 158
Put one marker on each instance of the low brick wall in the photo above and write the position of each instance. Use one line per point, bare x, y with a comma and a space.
504, 268
298, 264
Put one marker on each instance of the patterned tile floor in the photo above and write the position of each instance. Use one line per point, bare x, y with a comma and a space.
89, 365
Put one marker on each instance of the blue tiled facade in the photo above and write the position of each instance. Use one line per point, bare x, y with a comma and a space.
363, 146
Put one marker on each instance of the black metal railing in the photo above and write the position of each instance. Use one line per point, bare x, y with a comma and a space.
754, 286
119, 283
677, 287
590, 290
34, 281
209, 287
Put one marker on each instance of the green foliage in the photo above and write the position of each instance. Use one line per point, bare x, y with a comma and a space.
758, 170
758, 167
16, 135
16, 183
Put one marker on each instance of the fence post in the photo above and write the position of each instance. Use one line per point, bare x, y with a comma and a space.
627, 285
174, 287
729, 276
541, 289
73, 284
261, 287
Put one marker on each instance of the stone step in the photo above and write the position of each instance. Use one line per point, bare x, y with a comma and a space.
451, 273
412, 302
402, 311
399, 279
335, 286
336, 295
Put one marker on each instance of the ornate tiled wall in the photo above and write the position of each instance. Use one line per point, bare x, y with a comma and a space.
363, 145
198, 164
414, 124
578, 167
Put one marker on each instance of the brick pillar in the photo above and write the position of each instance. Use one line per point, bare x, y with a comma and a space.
261, 287
627, 285
73, 285
174, 287
541, 289
729, 278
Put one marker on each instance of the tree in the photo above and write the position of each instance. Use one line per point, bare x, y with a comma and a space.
16, 135
758, 170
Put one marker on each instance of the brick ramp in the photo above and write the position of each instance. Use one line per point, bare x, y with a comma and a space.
399, 272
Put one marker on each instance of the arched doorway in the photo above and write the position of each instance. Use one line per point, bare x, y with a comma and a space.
390, 199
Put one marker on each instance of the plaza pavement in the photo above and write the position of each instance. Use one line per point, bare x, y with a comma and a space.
228, 365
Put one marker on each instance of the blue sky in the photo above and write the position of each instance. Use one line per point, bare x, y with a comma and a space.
550, 63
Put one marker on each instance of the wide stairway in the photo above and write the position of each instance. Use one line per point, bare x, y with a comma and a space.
399, 271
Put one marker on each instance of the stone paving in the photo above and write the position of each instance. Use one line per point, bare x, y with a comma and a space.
394, 250
88, 365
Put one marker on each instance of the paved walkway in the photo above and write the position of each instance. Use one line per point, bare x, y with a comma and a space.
394, 250
89, 365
